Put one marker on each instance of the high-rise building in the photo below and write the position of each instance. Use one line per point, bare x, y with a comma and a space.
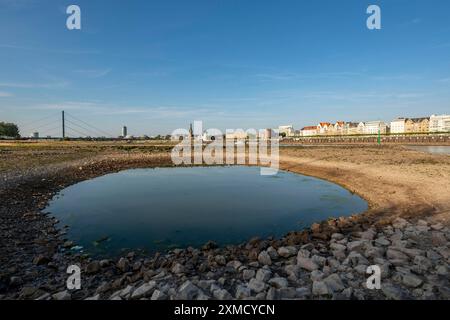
124, 131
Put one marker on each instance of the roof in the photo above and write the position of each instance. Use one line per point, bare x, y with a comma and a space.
419, 119
322, 124
309, 128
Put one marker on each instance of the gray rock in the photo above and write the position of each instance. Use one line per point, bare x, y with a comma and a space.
263, 274
188, 291
355, 245
247, 274
337, 236
442, 270
411, 280
222, 294
242, 292
337, 247
382, 241
177, 268
272, 253
256, 285
235, 264
334, 282
319, 288
287, 252
393, 292
396, 255
264, 258
272, 294
123, 264
144, 290
220, 260
307, 263
96, 297
63, 295
158, 295
126, 293
278, 282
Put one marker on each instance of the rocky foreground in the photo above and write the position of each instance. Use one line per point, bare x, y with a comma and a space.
329, 261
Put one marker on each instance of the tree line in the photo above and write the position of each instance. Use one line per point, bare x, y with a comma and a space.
9, 130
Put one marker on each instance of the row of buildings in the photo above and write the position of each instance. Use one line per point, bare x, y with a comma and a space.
434, 123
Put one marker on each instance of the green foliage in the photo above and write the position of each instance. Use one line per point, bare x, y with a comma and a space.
9, 129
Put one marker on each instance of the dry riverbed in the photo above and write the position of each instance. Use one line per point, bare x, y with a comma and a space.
405, 232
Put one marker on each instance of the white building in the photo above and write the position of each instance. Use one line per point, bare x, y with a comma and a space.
398, 125
373, 127
309, 131
440, 123
287, 130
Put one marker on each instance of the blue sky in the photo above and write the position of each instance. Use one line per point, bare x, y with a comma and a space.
158, 65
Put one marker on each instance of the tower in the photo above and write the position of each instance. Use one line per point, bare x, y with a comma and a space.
124, 131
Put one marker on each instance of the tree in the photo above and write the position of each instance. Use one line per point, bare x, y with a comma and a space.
9, 129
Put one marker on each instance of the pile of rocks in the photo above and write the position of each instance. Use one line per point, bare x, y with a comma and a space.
329, 261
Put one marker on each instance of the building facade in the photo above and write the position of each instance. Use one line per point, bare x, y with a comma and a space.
439, 123
309, 131
373, 127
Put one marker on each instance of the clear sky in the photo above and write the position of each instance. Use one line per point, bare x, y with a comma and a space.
157, 65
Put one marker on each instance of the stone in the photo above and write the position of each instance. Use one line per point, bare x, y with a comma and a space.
423, 264
15, 281
209, 245
337, 236
263, 274
235, 264
319, 260
41, 259
256, 285
306, 263
247, 274
272, 253
393, 292
287, 252
242, 292
355, 245
337, 246
411, 280
123, 264
177, 268
442, 270
303, 253
93, 267
272, 294
222, 294
68, 244
158, 295
438, 238
126, 292
104, 263
368, 234
382, 241
278, 282
396, 255
95, 297
264, 258
319, 288
188, 291
63, 295
302, 292
334, 282
144, 290
221, 260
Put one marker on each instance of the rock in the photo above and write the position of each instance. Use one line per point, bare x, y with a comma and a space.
63, 295
222, 294
438, 238
263, 274
319, 260
126, 293
337, 246
96, 297
144, 290
422, 264
334, 282
442, 270
235, 264
368, 234
272, 253
256, 285
400, 223
188, 291
123, 264
264, 258
220, 260
15, 281
93, 267
287, 252
302, 292
272, 294
337, 236
438, 226
104, 263
242, 292
158, 295
137, 266
247, 274
303, 253
396, 255
41, 259
411, 280
307, 263
319, 288
177, 268
287, 293
355, 245
382, 241
278, 282
393, 292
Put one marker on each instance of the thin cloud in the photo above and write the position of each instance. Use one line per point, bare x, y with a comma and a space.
30, 85
93, 73
4, 94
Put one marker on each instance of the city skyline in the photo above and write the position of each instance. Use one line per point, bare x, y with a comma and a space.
156, 67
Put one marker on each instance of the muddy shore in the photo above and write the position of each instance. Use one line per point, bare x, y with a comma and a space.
405, 231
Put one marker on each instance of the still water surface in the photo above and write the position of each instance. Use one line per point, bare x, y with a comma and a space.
163, 208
